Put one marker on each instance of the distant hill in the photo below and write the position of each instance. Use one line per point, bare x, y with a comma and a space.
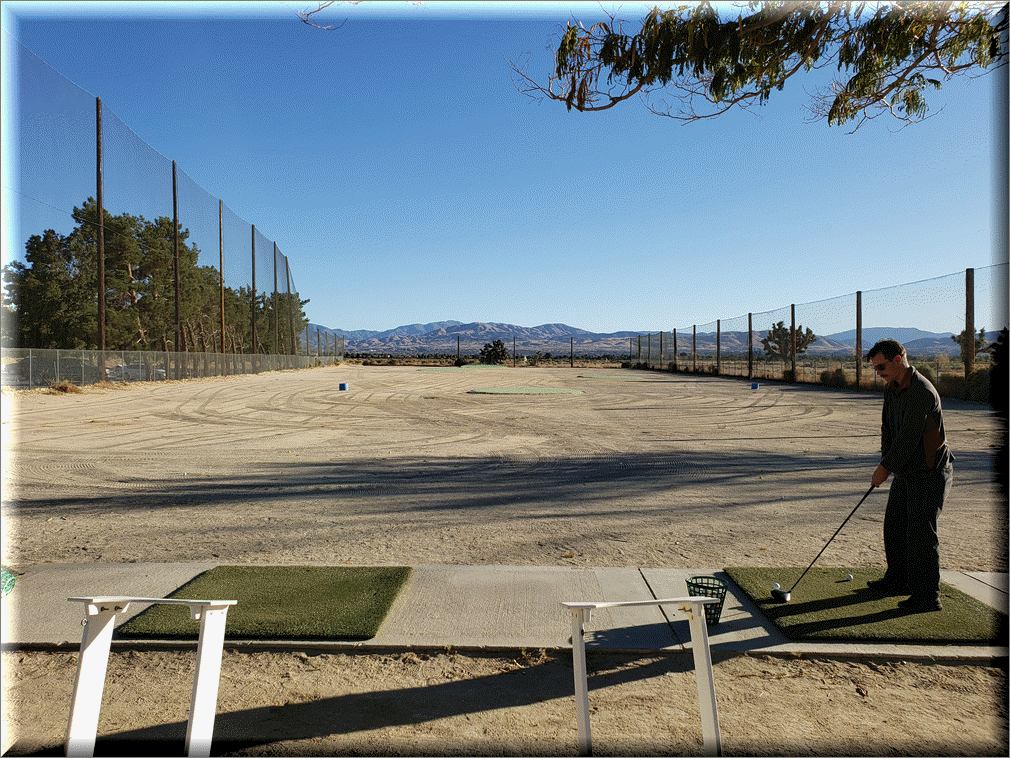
445, 336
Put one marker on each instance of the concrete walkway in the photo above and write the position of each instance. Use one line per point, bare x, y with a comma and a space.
484, 608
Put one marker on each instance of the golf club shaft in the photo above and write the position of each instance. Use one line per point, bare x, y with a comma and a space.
833, 536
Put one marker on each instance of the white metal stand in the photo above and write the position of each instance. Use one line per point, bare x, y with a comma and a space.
82, 726
693, 608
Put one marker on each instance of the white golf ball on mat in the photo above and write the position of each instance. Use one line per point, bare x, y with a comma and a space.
775, 586
848, 577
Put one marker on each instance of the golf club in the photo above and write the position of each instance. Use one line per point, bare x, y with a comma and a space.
783, 596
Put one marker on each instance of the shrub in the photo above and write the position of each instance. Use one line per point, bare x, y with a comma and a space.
978, 385
836, 378
65, 387
926, 372
951, 385
494, 353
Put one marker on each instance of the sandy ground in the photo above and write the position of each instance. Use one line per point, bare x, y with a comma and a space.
408, 467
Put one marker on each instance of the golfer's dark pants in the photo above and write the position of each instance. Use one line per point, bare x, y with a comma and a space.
911, 545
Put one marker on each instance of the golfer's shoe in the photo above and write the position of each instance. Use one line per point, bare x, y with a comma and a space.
913, 605
888, 586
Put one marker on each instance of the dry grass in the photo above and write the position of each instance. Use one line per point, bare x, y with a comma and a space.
65, 388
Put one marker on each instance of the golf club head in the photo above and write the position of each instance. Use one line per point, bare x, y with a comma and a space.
780, 596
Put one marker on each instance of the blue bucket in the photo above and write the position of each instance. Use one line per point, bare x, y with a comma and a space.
343, 386
754, 385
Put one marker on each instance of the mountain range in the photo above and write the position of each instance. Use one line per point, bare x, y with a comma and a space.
445, 337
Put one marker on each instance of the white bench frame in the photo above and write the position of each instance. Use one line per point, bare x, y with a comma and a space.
92, 663
693, 608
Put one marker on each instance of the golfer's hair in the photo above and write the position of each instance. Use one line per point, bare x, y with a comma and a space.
890, 349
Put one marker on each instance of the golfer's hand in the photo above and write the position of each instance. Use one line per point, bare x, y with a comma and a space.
880, 476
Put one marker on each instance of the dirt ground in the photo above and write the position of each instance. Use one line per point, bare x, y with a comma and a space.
408, 467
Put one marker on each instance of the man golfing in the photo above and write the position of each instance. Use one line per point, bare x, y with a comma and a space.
914, 449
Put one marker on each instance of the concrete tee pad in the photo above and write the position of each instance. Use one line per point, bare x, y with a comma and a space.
40, 612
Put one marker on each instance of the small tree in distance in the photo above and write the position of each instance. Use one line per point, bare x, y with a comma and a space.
779, 342
981, 346
494, 353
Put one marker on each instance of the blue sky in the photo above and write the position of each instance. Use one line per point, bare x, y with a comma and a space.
408, 181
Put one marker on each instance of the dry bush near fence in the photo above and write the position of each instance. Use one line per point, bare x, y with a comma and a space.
65, 387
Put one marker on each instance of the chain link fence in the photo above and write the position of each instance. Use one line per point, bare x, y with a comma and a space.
27, 368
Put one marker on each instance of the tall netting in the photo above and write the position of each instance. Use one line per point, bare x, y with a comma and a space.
137, 178
935, 305
199, 218
769, 363
733, 353
237, 250
53, 170
202, 298
826, 341
822, 330
991, 299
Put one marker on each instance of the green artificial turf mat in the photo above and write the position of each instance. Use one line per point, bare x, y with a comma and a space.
827, 607
281, 602
525, 391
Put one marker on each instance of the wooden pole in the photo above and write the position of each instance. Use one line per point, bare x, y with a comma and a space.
718, 347
178, 272
252, 301
859, 339
968, 349
276, 309
750, 345
792, 337
101, 235
220, 244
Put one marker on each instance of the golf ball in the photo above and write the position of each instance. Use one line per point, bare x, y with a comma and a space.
848, 577
775, 586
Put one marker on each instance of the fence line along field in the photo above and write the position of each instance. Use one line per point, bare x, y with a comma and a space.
411, 466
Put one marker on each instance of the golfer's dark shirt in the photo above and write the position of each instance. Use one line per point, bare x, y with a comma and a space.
913, 441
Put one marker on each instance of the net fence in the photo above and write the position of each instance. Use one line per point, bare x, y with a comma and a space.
126, 282
826, 341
